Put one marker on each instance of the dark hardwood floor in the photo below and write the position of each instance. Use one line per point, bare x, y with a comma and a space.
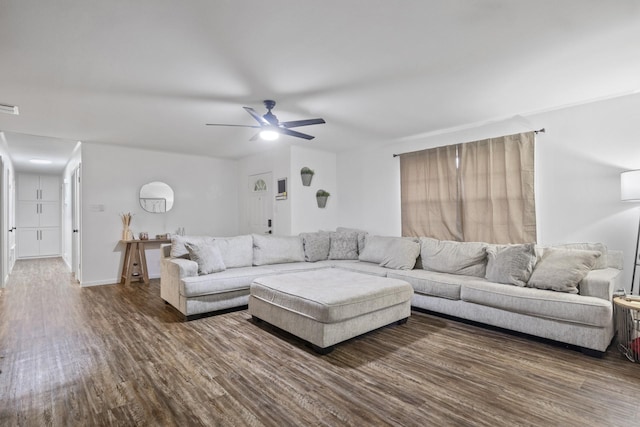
117, 355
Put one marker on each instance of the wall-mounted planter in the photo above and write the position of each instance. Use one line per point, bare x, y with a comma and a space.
321, 198
306, 174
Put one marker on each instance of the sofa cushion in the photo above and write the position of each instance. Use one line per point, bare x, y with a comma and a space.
207, 256
442, 285
562, 269
540, 303
510, 264
343, 245
178, 249
230, 280
361, 236
290, 267
362, 267
445, 256
236, 251
269, 249
398, 253
316, 246
601, 262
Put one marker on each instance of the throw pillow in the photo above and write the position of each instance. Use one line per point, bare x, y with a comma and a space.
178, 249
401, 254
391, 252
207, 256
562, 269
445, 256
343, 245
361, 236
268, 249
510, 264
602, 261
236, 251
316, 246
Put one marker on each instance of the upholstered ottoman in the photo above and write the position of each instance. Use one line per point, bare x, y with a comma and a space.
325, 307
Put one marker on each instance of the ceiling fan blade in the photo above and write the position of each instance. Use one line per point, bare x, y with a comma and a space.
290, 132
237, 126
297, 123
255, 137
258, 117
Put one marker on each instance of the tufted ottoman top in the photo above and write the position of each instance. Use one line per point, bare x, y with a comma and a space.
331, 295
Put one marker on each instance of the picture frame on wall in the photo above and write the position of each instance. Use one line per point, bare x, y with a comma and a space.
282, 189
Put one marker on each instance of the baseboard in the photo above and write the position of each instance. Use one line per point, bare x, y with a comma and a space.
107, 282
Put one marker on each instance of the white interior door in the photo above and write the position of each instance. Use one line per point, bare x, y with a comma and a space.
261, 203
75, 223
4, 237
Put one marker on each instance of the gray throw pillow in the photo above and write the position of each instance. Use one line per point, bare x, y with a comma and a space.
361, 236
343, 245
510, 264
562, 269
316, 246
446, 256
401, 254
398, 253
601, 262
207, 256
178, 249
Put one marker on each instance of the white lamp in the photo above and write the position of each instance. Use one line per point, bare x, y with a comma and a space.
630, 192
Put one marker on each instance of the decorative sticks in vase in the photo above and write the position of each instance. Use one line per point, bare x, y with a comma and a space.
127, 234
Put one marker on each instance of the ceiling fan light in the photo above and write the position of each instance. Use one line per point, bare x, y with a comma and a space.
269, 135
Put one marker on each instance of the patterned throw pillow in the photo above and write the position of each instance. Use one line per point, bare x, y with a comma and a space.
207, 256
343, 246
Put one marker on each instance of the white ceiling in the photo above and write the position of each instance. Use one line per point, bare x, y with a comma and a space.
151, 73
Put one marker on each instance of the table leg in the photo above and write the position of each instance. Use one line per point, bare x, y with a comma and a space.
142, 262
126, 264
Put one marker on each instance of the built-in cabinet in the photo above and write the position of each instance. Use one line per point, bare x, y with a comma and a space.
38, 215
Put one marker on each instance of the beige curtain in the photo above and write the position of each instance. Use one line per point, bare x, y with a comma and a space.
429, 194
497, 189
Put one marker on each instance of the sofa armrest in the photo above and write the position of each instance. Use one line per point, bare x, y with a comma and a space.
180, 267
601, 283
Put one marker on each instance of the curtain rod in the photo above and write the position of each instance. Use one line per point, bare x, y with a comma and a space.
535, 131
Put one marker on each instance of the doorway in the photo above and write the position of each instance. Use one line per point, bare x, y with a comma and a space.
75, 224
261, 203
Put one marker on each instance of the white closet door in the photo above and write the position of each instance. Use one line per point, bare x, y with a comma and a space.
28, 214
49, 241
28, 187
49, 188
28, 242
49, 214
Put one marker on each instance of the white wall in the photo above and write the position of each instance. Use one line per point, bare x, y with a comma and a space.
276, 160
206, 202
578, 165
305, 214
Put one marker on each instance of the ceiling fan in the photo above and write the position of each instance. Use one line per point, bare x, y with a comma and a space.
270, 127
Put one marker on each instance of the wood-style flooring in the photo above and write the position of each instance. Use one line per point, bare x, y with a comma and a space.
118, 355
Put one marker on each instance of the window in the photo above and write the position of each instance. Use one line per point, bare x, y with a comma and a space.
477, 191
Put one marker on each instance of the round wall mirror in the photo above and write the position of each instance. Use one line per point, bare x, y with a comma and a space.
156, 197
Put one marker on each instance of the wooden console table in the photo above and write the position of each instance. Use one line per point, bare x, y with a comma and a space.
134, 254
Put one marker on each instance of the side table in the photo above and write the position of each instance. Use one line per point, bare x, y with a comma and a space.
134, 254
627, 318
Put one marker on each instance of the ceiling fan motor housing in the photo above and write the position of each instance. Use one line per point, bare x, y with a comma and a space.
269, 116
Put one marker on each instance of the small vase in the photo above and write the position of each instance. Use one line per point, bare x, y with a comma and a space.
127, 234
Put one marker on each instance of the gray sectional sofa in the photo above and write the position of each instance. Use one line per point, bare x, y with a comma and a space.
562, 293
